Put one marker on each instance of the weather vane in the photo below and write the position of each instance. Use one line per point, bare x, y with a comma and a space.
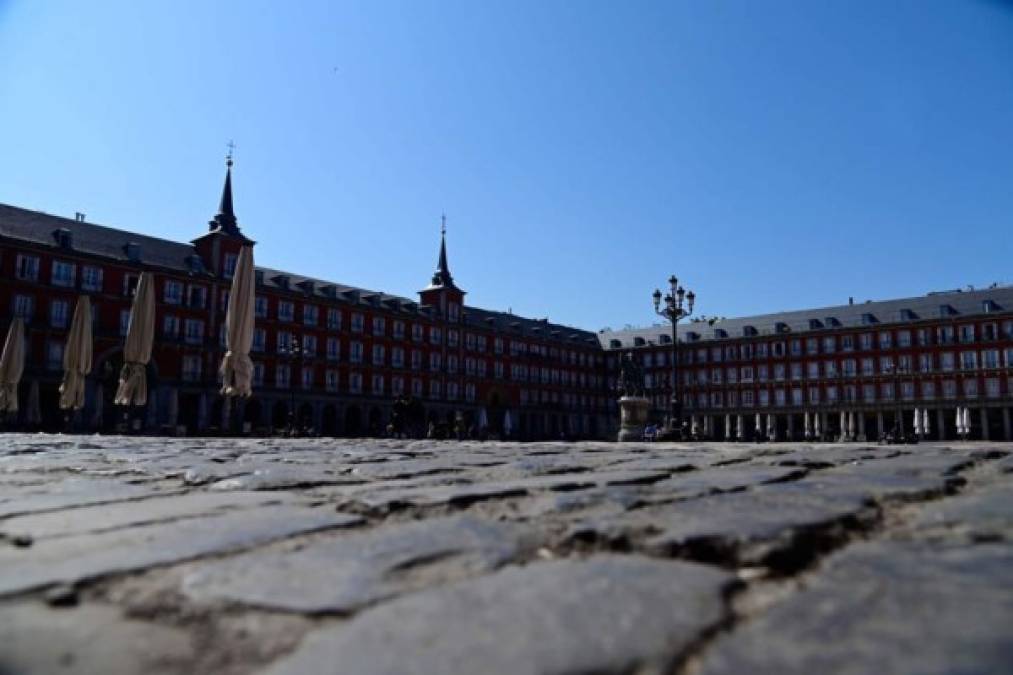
232, 147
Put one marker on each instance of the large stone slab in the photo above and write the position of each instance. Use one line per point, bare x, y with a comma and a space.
607, 614
94, 639
115, 515
67, 493
344, 573
884, 608
76, 558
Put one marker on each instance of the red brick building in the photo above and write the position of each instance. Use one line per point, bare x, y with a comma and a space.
870, 361
357, 349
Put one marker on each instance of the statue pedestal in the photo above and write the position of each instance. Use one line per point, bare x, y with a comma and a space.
632, 417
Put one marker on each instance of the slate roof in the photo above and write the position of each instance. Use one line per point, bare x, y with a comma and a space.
91, 239
111, 243
954, 304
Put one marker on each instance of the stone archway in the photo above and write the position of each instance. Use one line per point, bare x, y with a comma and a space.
329, 420
279, 415
353, 421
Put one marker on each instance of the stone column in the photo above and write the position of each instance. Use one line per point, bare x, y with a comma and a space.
861, 425
941, 424
879, 424
984, 424
202, 411
1006, 432
791, 427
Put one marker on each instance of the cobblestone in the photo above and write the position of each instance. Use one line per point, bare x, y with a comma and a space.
121, 555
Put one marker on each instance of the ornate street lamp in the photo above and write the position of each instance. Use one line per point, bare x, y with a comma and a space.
678, 304
293, 351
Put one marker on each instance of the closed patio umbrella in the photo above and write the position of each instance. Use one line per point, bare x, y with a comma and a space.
507, 423
77, 355
844, 425
237, 368
758, 424
12, 365
483, 419
133, 387
728, 427
918, 422
771, 428
816, 424
851, 425
740, 427
926, 429
806, 425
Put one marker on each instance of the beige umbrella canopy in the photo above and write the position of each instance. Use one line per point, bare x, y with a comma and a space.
237, 368
12, 364
77, 356
133, 389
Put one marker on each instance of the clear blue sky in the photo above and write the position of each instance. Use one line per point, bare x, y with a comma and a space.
775, 155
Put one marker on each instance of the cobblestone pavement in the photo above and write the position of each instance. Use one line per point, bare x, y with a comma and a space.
142, 555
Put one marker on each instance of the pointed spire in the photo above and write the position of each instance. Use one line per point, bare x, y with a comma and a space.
442, 277
225, 220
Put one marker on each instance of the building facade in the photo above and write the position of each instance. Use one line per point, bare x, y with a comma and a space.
334, 356
872, 362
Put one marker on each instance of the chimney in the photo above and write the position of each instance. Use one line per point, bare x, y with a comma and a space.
851, 299
78, 216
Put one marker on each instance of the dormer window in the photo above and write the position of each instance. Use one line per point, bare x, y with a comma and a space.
615, 344
229, 265
133, 251
781, 327
947, 310
815, 324
833, 322
868, 319
63, 238
692, 336
908, 315
749, 331
720, 333
665, 339
258, 277
988, 306
282, 281
639, 341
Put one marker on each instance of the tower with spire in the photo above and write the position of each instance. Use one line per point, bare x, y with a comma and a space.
442, 293
219, 246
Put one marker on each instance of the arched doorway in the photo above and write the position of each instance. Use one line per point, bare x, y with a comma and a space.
279, 415
329, 420
253, 413
353, 421
375, 422
306, 417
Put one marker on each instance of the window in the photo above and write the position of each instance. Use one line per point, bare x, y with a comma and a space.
779, 397
813, 370
398, 330
124, 321
451, 391
779, 372
198, 297
416, 332
796, 371
928, 389
945, 335
355, 352
259, 340
333, 319
310, 315
355, 383
848, 343
309, 345
885, 339
434, 389
307, 377
59, 311
260, 307
194, 331
925, 363
397, 386
286, 310
469, 392
397, 357
378, 355
923, 337
904, 338
452, 338
497, 370
907, 390
284, 342
333, 349
435, 335
331, 380
258, 374
764, 397
946, 361
830, 368
812, 346
762, 373
971, 388
796, 347
191, 368
27, 268
990, 358
358, 321
54, 354
379, 325
814, 395
849, 368
868, 366
416, 387
865, 340
416, 359
130, 282
988, 331
886, 391
453, 311
868, 392
992, 387
282, 376
434, 361
91, 278
796, 396
967, 332
949, 389
747, 373
969, 360
229, 266
886, 364
451, 363
63, 273
173, 292
170, 327
497, 345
